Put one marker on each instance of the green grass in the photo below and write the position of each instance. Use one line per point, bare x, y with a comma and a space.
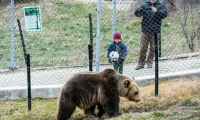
65, 36
18, 109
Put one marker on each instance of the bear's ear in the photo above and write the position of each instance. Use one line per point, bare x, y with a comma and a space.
126, 83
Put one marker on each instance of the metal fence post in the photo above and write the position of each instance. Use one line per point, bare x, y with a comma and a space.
12, 64
156, 63
29, 81
159, 42
27, 62
98, 34
90, 46
22, 40
114, 18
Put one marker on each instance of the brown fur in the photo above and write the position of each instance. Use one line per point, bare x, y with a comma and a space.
90, 89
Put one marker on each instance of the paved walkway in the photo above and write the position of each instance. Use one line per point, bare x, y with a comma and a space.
58, 76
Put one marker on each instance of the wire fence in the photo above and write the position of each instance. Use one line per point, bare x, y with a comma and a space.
59, 48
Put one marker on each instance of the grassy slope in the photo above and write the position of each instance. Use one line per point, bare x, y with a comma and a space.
65, 35
171, 94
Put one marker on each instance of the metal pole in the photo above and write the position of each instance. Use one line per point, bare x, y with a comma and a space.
12, 64
22, 40
90, 46
29, 81
91, 33
156, 63
98, 34
27, 62
159, 44
90, 56
114, 18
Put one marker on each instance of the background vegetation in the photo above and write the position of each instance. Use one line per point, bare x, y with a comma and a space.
64, 38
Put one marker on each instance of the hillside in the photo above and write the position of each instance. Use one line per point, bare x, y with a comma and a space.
64, 38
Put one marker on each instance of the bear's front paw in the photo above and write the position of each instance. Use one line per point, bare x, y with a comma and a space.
119, 114
115, 115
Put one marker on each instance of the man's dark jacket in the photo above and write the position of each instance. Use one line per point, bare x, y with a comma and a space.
151, 21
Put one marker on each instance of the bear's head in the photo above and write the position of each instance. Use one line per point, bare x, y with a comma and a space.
129, 89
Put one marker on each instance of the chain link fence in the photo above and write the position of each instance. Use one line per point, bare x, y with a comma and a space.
60, 48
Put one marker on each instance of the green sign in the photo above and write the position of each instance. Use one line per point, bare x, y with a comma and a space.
32, 17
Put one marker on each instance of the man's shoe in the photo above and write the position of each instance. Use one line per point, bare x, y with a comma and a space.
149, 66
139, 67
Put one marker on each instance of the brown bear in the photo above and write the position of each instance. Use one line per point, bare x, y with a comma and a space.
90, 89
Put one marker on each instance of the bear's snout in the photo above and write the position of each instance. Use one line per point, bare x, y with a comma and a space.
137, 100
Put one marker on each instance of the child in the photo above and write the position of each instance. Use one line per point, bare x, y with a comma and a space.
120, 47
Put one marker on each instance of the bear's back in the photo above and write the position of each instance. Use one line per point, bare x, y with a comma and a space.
83, 89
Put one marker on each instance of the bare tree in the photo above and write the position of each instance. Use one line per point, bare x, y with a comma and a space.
190, 24
170, 5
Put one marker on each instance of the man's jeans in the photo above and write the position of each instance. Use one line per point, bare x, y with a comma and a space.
145, 41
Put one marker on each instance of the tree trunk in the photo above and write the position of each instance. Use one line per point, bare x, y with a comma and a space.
170, 5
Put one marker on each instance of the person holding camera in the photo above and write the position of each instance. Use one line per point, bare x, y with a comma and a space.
152, 11
118, 46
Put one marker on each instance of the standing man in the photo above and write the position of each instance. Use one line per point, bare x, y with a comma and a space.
153, 11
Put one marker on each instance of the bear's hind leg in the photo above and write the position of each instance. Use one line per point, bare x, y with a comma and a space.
66, 107
90, 111
101, 110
